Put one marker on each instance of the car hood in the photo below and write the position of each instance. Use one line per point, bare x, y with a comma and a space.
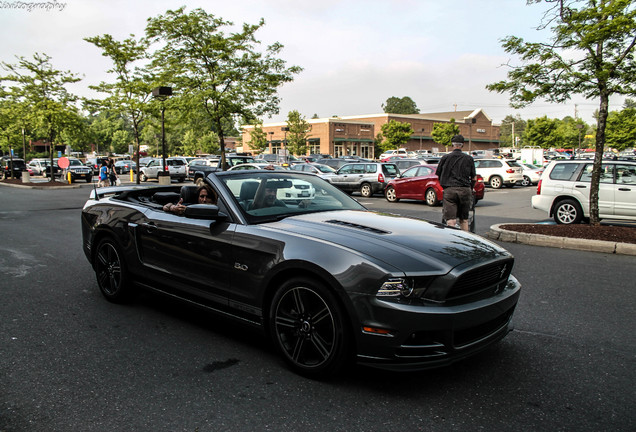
409, 245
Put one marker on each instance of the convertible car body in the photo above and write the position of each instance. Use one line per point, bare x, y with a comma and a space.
329, 281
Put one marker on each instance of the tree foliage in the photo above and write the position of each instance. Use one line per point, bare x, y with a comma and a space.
41, 88
506, 130
404, 105
224, 73
396, 134
621, 128
258, 139
443, 132
591, 54
297, 134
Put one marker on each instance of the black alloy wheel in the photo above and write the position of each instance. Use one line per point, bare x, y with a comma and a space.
110, 269
308, 327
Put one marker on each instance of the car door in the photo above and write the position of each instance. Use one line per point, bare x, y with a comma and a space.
625, 190
343, 176
190, 255
605, 189
152, 168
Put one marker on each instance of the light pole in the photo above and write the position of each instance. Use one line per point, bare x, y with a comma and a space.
285, 129
470, 122
579, 127
161, 94
271, 133
421, 133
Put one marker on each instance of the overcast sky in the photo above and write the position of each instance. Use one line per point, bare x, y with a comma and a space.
355, 53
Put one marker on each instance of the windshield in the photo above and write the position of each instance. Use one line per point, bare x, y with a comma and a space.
267, 196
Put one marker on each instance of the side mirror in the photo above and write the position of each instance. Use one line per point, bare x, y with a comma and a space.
204, 211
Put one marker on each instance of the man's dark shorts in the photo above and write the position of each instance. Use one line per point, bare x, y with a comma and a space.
457, 202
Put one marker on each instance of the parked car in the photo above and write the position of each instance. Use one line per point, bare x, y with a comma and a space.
499, 172
231, 160
321, 170
96, 163
421, 183
194, 164
395, 152
403, 163
330, 282
531, 174
367, 178
334, 163
125, 166
11, 165
176, 169
38, 166
299, 189
78, 170
564, 190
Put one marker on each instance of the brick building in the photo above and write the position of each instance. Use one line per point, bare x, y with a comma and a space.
354, 135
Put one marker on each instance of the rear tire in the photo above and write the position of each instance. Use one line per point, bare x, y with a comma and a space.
568, 212
365, 190
526, 181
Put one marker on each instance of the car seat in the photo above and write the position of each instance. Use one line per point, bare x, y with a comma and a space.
246, 195
189, 194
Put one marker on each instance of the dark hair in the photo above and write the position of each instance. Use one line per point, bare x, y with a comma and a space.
459, 139
211, 192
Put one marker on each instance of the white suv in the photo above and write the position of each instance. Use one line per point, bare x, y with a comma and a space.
499, 172
176, 169
564, 190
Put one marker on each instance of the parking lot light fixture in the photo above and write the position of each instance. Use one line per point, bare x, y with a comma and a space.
161, 94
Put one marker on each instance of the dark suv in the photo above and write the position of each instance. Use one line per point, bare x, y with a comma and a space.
9, 164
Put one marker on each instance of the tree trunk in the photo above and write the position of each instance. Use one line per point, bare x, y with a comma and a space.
598, 157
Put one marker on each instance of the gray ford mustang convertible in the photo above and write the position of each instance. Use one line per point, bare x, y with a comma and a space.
329, 281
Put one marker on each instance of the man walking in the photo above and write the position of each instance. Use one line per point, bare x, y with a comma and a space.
456, 172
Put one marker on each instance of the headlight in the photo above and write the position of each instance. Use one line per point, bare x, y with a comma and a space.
394, 288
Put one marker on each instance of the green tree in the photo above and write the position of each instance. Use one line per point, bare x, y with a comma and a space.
258, 139
43, 89
506, 130
591, 54
209, 143
443, 132
404, 105
297, 134
131, 91
621, 129
224, 73
396, 134
542, 132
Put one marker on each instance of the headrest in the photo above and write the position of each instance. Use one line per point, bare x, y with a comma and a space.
248, 190
165, 197
189, 194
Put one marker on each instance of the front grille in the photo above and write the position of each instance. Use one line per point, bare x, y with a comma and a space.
481, 278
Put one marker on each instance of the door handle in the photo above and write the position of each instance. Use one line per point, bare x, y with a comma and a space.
150, 227
581, 186
624, 189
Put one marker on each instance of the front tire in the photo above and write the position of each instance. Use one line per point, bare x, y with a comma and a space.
309, 329
110, 269
431, 197
568, 212
391, 195
143, 177
365, 190
496, 182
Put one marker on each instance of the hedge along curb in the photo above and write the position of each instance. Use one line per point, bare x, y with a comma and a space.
497, 233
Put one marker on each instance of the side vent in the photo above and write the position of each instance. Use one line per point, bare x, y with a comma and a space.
357, 226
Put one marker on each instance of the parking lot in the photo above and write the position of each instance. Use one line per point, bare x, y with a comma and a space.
71, 361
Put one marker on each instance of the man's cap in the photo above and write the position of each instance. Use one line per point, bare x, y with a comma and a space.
457, 139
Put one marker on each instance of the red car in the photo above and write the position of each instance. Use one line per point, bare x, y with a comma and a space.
421, 183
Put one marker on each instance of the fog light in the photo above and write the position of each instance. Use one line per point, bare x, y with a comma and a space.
394, 288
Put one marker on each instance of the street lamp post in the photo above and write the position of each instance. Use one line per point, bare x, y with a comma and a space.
285, 129
421, 133
161, 94
271, 133
579, 127
470, 122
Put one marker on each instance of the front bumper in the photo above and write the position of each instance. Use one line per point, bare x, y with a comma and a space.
424, 337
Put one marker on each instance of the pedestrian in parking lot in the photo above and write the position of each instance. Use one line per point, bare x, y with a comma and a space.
456, 172
112, 174
103, 174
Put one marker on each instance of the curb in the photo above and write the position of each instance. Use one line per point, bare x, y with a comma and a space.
35, 186
497, 233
